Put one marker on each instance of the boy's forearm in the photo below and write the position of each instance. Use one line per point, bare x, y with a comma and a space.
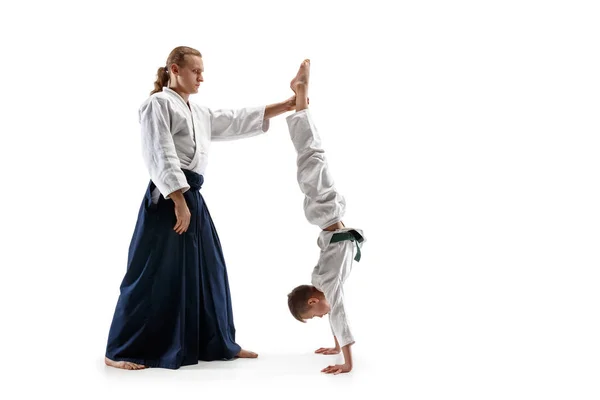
337, 344
347, 352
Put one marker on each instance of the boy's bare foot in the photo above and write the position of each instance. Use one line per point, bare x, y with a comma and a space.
302, 77
123, 364
246, 354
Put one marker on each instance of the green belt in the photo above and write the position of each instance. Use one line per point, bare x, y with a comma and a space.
351, 236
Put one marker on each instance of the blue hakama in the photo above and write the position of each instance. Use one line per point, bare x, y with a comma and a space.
174, 307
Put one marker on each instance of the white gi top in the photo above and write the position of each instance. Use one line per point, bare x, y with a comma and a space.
175, 136
334, 267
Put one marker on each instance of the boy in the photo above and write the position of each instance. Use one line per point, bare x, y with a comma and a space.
324, 207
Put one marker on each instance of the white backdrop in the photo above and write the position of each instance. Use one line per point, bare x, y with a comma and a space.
464, 136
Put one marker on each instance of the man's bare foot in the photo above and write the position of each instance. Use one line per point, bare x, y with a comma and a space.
246, 354
302, 77
123, 364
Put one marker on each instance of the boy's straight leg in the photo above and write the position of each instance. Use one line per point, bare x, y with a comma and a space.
323, 205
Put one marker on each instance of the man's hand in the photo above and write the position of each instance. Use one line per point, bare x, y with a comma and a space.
182, 212
290, 104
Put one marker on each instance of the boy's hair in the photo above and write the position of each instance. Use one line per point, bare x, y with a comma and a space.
298, 300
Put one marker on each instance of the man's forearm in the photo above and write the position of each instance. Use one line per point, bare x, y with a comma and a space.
177, 197
273, 110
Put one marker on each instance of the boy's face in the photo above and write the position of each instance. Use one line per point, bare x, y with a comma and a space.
318, 308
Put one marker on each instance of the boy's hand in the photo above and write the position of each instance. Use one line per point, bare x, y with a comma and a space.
337, 369
328, 350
